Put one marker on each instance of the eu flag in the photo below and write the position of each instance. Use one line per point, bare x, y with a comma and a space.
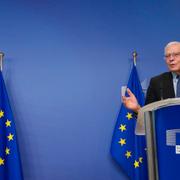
10, 166
128, 149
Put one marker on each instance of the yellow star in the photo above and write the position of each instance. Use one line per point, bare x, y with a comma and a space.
1, 161
136, 164
122, 127
8, 123
122, 141
10, 137
128, 154
1, 114
129, 116
7, 151
140, 159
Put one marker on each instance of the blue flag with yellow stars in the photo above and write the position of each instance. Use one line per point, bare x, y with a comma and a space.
128, 149
10, 166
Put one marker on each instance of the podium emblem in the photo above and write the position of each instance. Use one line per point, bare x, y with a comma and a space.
173, 139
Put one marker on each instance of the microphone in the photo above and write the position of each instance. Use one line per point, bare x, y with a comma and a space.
161, 90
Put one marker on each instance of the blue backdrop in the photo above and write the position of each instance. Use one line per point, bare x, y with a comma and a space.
65, 62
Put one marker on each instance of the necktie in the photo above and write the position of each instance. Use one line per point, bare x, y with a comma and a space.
178, 87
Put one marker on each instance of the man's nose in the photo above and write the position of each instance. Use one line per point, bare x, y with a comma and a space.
171, 57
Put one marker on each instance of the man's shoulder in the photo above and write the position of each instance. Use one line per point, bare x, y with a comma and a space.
162, 76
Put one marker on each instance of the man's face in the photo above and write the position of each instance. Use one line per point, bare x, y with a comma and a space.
172, 56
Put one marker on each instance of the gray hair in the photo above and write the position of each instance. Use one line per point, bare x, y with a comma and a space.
171, 43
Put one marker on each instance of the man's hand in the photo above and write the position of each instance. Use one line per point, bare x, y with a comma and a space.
131, 101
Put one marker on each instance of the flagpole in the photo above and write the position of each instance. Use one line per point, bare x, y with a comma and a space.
1, 60
134, 57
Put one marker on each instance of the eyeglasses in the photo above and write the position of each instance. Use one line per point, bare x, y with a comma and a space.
174, 55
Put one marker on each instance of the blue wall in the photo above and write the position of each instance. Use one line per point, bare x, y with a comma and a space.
65, 62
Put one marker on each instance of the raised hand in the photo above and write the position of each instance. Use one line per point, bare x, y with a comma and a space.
131, 102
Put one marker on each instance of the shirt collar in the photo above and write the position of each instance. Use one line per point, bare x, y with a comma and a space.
174, 75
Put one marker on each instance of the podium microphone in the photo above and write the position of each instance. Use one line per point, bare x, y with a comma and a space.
161, 90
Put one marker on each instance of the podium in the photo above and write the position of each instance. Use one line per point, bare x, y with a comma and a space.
161, 122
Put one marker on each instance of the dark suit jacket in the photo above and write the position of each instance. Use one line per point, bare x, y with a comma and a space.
160, 87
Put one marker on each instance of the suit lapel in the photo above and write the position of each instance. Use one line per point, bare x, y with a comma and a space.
168, 88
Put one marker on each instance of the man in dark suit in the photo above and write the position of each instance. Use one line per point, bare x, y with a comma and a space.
163, 86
